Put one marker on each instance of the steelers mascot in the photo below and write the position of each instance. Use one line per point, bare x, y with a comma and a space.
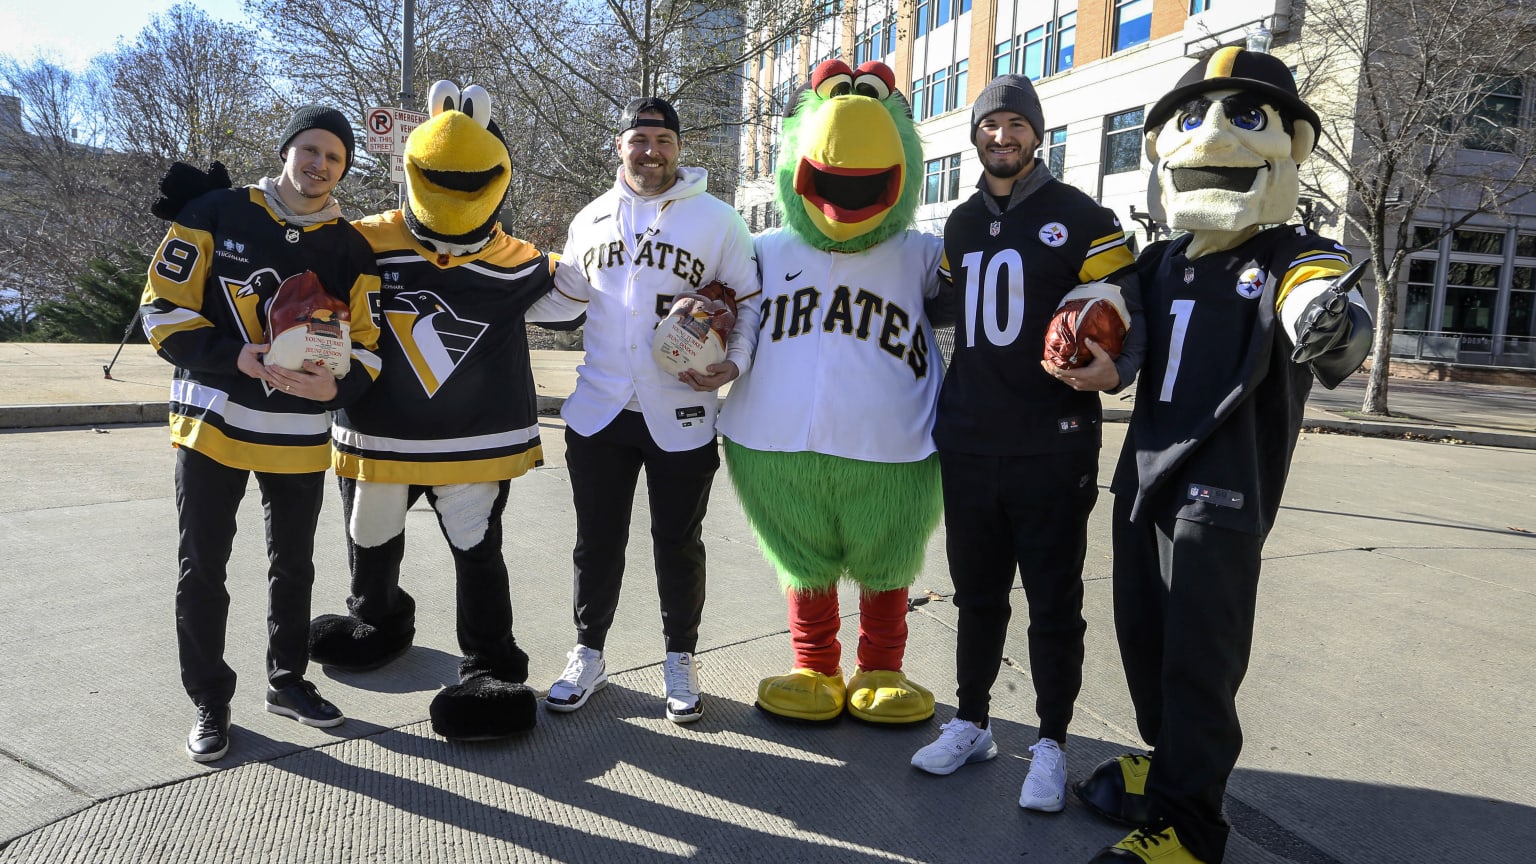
828, 436
1243, 311
452, 417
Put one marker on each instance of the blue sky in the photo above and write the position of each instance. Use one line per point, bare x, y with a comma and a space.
74, 31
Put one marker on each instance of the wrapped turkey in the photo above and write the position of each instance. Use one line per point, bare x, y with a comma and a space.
306, 323
695, 330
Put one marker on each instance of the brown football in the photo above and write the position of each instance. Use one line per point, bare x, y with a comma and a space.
1075, 320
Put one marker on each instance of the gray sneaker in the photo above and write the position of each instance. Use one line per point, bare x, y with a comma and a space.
585, 674
961, 742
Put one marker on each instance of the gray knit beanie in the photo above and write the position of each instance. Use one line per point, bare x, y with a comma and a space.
319, 117
1009, 93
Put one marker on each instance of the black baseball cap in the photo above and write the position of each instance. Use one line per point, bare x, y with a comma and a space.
631, 116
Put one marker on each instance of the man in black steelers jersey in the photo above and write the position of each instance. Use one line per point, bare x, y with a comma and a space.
1018, 446
1239, 319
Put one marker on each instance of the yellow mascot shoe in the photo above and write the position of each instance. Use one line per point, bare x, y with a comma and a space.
1155, 845
803, 695
883, 696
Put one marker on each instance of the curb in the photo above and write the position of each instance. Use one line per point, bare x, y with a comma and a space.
138, 413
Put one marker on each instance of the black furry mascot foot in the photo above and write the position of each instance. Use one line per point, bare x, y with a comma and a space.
347, 643
484, 708
1116, 790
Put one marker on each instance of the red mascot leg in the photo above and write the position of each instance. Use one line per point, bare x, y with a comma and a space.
882, 629
813, 627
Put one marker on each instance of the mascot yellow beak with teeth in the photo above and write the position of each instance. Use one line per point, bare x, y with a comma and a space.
1242, 312
452, 417
828, 437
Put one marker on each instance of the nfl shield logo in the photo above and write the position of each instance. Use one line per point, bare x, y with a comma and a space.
1189, 275
997, 228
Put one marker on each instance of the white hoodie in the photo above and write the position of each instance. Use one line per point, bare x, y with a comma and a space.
627, 256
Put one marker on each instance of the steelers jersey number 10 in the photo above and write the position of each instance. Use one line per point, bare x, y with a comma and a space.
984, 307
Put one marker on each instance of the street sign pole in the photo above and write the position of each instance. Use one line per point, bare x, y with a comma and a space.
407, 58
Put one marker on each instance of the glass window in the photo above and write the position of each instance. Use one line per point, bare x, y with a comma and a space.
1421, 291
1066, 40
1056, 151
1002, 58
938, 95
1478, 242
958, 82
921, 16
1426, 236
1492, 123
1198, 6
941, 179
1525, 246
942, 10
918, 88
1133, 23
1122, 141
1468, 310
965, 6
1032, 60
932, 175
1522, 300
954, 177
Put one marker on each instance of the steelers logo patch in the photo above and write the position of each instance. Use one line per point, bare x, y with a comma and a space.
1251, 283
1053, 234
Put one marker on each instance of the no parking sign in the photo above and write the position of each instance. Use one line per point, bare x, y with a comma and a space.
387, 130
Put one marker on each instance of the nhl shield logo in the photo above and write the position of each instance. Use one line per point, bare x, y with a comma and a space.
1250, 284
292, 235
1053, 234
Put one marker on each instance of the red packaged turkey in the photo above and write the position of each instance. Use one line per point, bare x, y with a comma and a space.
305, 323
693, 334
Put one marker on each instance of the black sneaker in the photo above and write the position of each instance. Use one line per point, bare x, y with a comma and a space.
209, 738
302, 702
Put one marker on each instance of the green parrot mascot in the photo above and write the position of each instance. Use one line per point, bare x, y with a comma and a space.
828, 437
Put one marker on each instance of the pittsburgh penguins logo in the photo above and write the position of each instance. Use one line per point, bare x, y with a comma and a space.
247, 299
434, 339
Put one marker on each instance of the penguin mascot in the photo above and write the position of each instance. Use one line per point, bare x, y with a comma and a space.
828, 438
455, 419
1243, 311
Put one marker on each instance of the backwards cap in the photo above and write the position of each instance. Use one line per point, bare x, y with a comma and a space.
631, 117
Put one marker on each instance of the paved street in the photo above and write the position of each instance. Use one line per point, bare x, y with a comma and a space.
1389, 708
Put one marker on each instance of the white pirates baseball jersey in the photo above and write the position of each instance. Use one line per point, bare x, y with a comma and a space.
845, 361
628, 257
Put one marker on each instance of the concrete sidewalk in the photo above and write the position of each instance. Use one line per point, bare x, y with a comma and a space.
1388, 710
44, 385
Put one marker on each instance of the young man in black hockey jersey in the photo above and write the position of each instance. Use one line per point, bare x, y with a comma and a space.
1018, 445
205, 310
1239, 319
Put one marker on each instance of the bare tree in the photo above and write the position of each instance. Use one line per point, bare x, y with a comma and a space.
1404, 88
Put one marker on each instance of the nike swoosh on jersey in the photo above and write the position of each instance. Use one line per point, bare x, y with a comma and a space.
790, 277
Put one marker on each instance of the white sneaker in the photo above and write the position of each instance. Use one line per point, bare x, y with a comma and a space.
685, 702
1045, 787
584, 675
961, 742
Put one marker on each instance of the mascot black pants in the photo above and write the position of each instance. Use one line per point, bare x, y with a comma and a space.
208, 496
1026, 515
604, 470
1184, 611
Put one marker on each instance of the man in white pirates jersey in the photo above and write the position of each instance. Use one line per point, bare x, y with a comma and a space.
1239, 320
205, 310
1019, 439
656, 234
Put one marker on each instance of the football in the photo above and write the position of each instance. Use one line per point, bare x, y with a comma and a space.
1094, 311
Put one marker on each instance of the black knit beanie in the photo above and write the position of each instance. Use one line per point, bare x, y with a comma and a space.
319, 117
1009, 93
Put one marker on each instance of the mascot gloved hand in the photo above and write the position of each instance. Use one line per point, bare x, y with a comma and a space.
456, 294
828, 436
